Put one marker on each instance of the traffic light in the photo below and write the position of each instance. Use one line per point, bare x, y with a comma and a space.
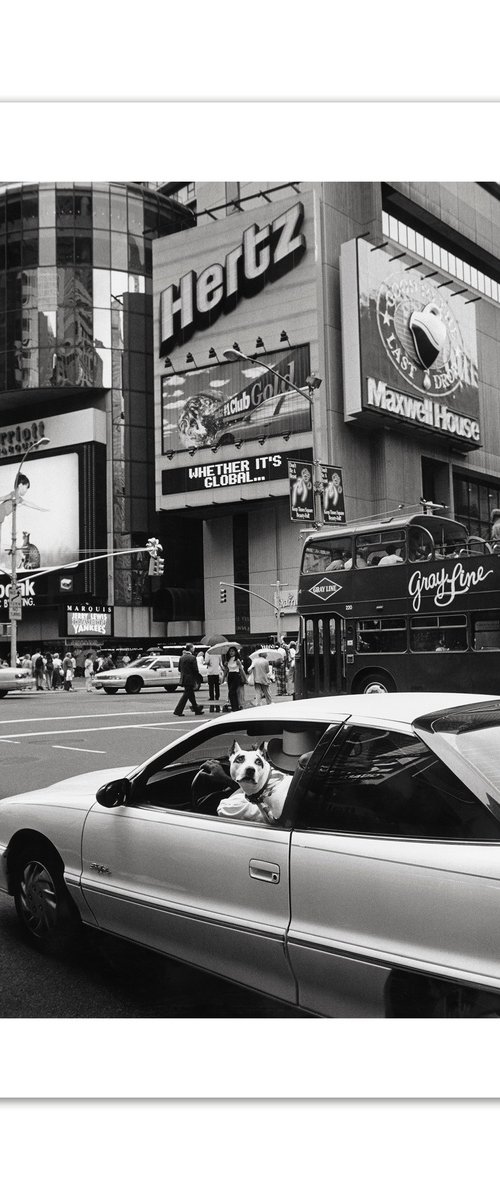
223, 596
156, 566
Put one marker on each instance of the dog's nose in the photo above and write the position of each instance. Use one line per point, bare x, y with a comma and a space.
250, 773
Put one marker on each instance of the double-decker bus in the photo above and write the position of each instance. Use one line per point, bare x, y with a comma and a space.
398, 603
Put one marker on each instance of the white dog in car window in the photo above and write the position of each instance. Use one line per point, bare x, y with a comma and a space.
262, 788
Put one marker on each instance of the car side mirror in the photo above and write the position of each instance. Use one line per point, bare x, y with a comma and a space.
112, 794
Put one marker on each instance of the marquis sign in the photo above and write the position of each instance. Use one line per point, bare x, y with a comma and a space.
264, 254
90, 620
409, 339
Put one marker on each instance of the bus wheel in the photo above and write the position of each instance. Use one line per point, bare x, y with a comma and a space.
376, 681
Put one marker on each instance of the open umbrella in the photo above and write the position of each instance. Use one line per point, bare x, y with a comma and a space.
214, 639
272, 653
223, 646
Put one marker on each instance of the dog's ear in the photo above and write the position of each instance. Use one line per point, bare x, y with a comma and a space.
263, 750
235, 749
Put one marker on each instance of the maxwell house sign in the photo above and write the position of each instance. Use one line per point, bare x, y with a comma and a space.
409, 336
266, 251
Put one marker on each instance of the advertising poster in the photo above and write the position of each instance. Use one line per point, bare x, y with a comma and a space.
333, 496
410, 346
234, 402
301, 490
47, 519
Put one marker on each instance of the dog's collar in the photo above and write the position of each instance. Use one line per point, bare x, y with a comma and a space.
264, 807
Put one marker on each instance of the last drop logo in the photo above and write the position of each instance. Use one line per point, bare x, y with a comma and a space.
325, 589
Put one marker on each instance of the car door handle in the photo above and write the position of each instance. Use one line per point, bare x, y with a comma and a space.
266, 871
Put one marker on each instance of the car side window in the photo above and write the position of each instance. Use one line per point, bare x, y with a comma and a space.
384, 783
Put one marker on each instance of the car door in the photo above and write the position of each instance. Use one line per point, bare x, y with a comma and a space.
156, 674
212, 891
394, 864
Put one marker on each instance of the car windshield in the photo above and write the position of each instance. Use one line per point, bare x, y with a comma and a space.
142, 662
471, 732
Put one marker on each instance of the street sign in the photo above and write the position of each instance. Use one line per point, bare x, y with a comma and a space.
15, 608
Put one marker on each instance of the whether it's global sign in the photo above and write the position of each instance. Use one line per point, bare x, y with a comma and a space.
264, 254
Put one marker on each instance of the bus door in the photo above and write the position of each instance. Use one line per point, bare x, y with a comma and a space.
323, 651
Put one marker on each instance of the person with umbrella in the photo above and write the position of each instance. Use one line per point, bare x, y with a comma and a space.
234, 675
213, 661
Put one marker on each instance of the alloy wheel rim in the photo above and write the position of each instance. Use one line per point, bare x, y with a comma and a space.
38, 899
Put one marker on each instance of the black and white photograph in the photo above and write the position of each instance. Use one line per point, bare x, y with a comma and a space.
249, 813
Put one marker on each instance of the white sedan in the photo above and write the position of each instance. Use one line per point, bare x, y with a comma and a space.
13, 679
373, 894
150, 671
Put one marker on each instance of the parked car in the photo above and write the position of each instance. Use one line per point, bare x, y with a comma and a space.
375, 892
13, 679
150, 671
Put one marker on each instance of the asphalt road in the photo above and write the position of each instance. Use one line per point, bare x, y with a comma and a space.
48, 736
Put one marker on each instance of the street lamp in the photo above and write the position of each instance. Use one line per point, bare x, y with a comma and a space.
313, 382
14, 593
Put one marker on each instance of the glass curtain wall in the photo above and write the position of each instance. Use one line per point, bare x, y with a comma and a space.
76, 314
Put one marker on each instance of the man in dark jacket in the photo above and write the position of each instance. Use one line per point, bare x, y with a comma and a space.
190, 680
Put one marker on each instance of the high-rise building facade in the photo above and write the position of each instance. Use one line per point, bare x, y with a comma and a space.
76, 368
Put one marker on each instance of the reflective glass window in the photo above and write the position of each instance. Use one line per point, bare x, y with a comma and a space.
83, 207
118, 212
136, 284
136, 258
83, 248
102, 373
151, 215
3, 255
13, 212
30, 250
119, 284
135, 215
64, 249
29, 289
102, 248
65, 211
102, 326
3, 216
47, 288
101, 283
14, 289
119, 251
13, 255
30, 209
100, 206
47, 324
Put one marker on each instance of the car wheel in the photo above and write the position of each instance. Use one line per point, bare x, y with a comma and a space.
43, 903
110, 691
170, 687
376, 681
3, 695
133, 685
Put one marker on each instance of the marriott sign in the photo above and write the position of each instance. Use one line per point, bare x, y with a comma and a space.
265, 254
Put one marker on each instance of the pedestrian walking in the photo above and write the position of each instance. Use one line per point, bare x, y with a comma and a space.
213, 662
68, 669
261, 679
190, 680
57, 674
235, 677
280, 668
39, 671
49, 669
88, 671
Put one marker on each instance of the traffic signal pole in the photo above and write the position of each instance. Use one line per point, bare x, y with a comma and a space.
237, 587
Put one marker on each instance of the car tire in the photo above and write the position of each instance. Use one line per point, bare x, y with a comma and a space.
3, 695
109, 691
133, 685
43, 903
170, 687
375, 681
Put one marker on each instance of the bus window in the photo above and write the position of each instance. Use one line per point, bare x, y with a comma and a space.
438, 634
486, 630
327, 555
371, 547
384, 635
421, 545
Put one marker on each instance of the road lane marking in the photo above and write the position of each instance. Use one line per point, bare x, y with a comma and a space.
84, 717
79, 749
10, 742
36, 733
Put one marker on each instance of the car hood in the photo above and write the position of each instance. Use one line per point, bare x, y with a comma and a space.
79, 791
